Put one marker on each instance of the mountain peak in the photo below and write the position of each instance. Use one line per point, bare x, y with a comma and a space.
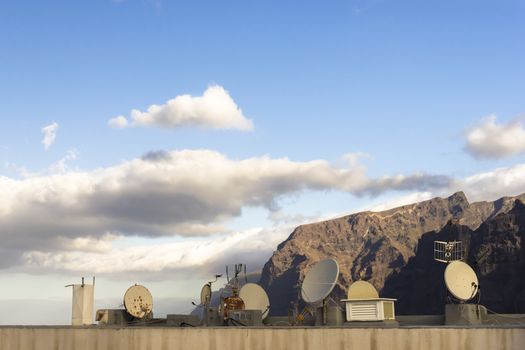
458, 196
371, 245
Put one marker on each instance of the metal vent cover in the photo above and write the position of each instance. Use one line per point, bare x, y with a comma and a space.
364, 311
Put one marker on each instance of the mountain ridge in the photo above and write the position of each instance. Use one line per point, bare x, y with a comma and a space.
369, 245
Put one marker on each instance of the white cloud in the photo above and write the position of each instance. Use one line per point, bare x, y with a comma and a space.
353, 159
118, 122
492, 140
50, 133
20, 170
278, 217
205, 255
183, 193
214, 109
403, 200
486, 186
421, 181
76, 217
60, 166
493, 184
201, 257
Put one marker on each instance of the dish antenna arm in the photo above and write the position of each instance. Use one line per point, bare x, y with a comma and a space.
217, 277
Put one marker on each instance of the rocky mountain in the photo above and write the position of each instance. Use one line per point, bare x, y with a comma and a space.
393, 250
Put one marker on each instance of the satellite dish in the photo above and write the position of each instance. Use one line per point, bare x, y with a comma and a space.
320, 281
362, 290
461, 280
255, 298
205, 294
138, 301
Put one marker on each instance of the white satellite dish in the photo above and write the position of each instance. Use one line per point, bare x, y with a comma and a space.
461, 280
206, 294
320, 281
255, 298
138, 301
362, 290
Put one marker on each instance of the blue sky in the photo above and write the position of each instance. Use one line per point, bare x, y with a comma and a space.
407, 83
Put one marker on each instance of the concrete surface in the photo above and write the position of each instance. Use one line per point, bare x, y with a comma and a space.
164, 338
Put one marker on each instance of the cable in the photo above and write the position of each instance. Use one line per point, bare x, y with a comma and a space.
475, 288
495, 320
143, 322
479, 295
504, 316
235, 322
336, 304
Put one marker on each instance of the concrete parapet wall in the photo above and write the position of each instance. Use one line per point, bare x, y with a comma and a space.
92, 338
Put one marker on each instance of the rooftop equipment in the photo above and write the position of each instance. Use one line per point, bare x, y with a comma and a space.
138, 302
364, 304
462, 284
209, 315
82, 308
461, 281
319, 283
255, 298
233, 302
448, 251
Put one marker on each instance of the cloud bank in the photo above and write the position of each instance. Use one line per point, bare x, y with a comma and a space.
492, 140
204, 257
494, 184
215, 109
50, 133
72, 220
183, 193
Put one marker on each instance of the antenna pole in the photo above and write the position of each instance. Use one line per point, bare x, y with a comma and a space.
206, 307
325, 312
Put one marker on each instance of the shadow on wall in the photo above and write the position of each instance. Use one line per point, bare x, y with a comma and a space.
498, 257
419, 286
280, 294
495, 252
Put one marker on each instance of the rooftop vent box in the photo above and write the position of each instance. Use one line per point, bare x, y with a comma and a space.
377, 309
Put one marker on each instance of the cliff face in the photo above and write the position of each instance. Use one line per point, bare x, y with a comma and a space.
498, 256
380, 247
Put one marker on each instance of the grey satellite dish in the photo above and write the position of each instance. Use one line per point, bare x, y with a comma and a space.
255, 298
138, 301
320, 281
206, 294
461, 280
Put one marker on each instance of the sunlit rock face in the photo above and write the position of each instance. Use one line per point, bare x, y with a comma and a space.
393, 250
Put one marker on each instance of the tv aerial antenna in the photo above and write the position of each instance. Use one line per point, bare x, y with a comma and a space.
233, 302
319, 283
448, 251
460, 279
238, 268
